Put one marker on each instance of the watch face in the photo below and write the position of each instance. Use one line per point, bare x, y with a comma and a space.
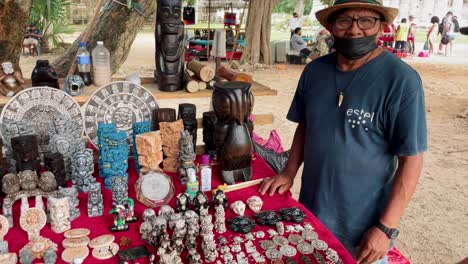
394, 233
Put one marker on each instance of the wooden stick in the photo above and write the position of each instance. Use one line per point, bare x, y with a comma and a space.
235, 187
87, 34
231, 75
236, 38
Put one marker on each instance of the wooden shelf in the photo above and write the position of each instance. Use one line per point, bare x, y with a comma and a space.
258, 90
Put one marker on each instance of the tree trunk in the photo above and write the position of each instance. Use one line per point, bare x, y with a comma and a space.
117, 26
258, 32
14, 19
299, 8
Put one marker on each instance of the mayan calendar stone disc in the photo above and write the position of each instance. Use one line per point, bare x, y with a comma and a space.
77, 233
40, 106
3, 226
33, 219
121, 103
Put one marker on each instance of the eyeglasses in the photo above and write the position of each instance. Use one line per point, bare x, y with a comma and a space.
364, 23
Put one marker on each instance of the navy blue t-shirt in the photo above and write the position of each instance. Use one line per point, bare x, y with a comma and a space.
351, 152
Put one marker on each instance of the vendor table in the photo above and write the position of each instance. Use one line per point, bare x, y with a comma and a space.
204, 42
17, 238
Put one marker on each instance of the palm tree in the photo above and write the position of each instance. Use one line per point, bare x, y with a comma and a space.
52, 18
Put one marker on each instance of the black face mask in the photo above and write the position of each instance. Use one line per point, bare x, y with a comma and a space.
355, 48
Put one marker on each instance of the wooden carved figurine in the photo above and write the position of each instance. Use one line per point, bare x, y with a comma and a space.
26, 153
54, 163
188, 114
162, 115
170, 39
233, 103
209, 120
44, 75
10, 81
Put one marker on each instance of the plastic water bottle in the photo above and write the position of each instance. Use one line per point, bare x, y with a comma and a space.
101, 65
84, 64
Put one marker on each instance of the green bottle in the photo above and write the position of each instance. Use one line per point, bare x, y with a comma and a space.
192, 185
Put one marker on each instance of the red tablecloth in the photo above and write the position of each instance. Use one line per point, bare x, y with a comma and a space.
17, 238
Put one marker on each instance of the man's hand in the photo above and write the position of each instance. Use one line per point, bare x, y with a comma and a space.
374, 246
280, 183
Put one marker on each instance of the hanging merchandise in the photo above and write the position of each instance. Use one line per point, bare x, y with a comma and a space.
230, 19
189, 15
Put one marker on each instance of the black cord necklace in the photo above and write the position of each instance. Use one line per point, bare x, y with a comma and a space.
341, 93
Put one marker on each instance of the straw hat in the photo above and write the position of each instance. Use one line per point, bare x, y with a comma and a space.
389, 13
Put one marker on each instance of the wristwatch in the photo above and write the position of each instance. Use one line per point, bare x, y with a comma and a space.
392, 233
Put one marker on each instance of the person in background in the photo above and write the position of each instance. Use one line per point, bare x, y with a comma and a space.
432, 34
446, 28
33, 34
412, 35
322, 45
298, 44
294, 23
389, 33
401, 36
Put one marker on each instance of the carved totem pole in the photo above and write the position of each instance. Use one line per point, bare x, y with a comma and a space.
233, 103
170, 48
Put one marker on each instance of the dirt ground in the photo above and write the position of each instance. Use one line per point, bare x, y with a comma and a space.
434, 228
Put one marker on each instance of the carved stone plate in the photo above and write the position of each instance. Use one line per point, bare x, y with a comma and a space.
40, 106
77, 233
154, 189
75, 242
273, 254
288, 251
305, 248
3, 226
121, 103
75, 254
102, 241
33, 219
106, 252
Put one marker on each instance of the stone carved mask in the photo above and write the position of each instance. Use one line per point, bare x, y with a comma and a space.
255, 203
238, 207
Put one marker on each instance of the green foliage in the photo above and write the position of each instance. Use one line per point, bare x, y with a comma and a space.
288, 6
51, 17
190, 2
328, 2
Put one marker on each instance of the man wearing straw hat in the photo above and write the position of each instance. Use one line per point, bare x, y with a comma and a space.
361, 132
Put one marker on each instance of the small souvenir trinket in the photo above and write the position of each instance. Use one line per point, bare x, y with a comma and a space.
125, 241
95, 200
255, 203
268, 217
280, 240
82, 167
306, 259
249, 236
10, 80
75, 255
267, 244
59, 212
273, 254
149, 149
272, 232
182, 202
280, 228
241, 224
318, 257
77, 233
259, 234
120, 216
219, 198
28, 180
7, 210
305, 248
32, 220
292, 214
220, 224
10, 184
309, 235
238, 207
174, 218
4, 254
132, 254
170, 137
104, 247
289, 260
241, 259
222, 240
332, 255
44, 75
166, 211
148, 214
72, 194
295, 239
288, 251
186, 156
250, 247
200, 201
258, 258
75, 242
194, 257
74, 85
290, 229
47, 182
154, 188
319, 244
298, 228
